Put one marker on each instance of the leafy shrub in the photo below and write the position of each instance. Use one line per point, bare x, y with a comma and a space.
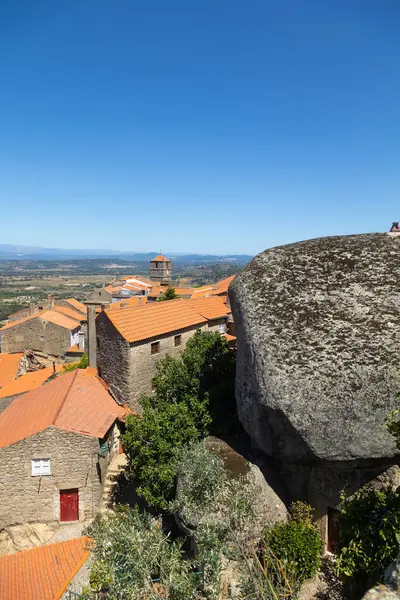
298, 546
83, 363
369, 526
393, 426
301, 512
135, 559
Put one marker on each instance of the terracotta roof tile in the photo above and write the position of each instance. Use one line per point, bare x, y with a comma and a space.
203, 291
9, 364
42, 573
27, 382
15, 323
70, 312
73, 401
76, 305
223, 285
52, 316
134, 301
213, 307
160, 258
154, 319
75, 348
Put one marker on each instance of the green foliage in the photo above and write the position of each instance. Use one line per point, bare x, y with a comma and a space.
150, 443
369, 526
393, 426
83, 363
135, 559
298, 545
301, 512
169, 294
177, 412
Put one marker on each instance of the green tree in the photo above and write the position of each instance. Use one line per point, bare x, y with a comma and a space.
169, 294
177, 412
393, 426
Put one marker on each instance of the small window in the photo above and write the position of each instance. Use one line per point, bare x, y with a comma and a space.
42, 338
178, 340
155, 347
41, 466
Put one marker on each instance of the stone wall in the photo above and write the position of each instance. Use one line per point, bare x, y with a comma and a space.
81, 579
75, 464
36, 334
129, 369
321, 486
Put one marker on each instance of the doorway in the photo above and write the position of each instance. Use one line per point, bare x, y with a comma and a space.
69, 505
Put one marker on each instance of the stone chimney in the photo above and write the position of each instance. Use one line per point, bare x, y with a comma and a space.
102, 299
52, 301
81, 342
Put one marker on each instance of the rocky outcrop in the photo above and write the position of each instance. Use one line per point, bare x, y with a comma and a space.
391, 588
318, 329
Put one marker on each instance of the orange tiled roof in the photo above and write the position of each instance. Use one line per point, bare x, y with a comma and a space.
52, 316
213, 307
160, 258
27, 382
9, 364
230, 338
222, 286
180, 291
156, 290
134, 301
154, 319
76, 304
70, 312
75, 401
203, 292
42, 573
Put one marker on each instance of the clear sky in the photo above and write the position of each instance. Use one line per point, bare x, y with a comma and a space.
219, 126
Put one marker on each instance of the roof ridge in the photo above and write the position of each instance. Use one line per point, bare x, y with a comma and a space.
65, 397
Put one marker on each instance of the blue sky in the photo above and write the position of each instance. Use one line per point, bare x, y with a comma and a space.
197, 126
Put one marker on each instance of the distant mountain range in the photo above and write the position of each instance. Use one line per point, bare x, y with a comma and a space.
15, 252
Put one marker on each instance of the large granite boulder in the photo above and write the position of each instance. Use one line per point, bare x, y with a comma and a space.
318, 363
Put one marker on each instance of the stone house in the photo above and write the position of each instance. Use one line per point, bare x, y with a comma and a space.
131, 341
58, 569
55, 445
49, 331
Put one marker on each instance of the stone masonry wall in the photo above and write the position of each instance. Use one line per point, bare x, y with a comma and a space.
56, 340
142, 364
130, 369
75, 464
112, 358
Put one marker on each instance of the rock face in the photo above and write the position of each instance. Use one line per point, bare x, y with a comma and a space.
318, 328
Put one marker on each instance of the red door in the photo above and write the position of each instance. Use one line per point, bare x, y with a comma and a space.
69, 505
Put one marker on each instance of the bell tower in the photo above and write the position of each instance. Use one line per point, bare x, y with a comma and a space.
160, 269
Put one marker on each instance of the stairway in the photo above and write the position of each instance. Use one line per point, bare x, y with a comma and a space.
116, 466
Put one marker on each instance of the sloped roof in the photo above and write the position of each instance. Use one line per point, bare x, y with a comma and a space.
76, 304
203, 292
223, 285
75, 401
70, 312
154, 319
42, 573
9, 364
139, 279
52, 316
160, 258
134, 301
213, 307
27, 382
